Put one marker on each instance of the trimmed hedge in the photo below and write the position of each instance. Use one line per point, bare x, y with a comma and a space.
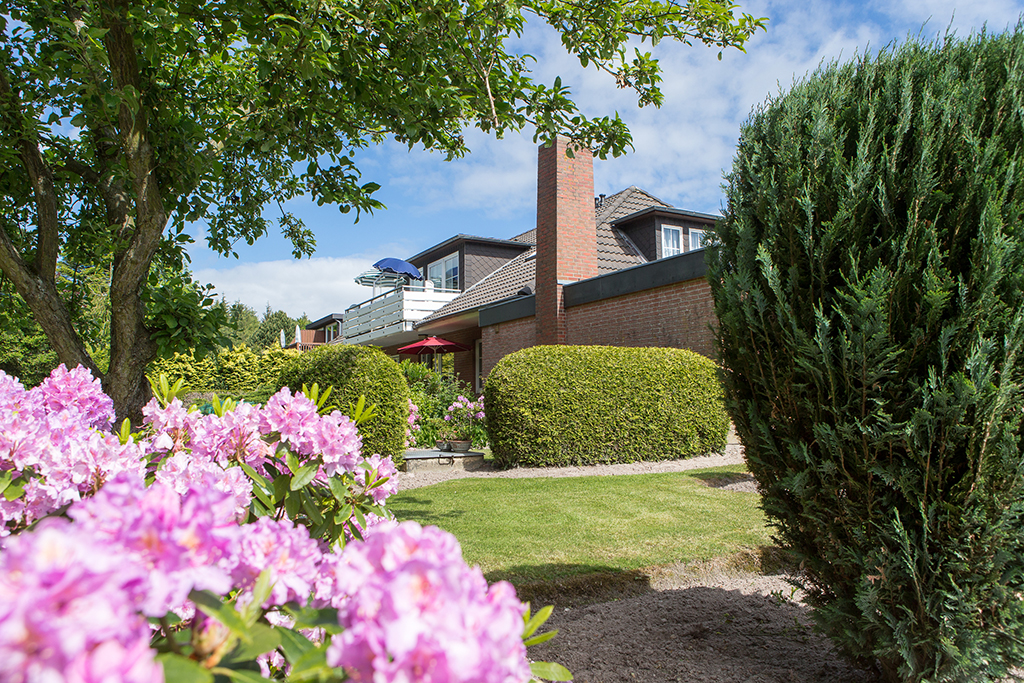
553, 406
237, 371
868, 278
355, 371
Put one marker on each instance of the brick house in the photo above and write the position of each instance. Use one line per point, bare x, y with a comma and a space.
624, 270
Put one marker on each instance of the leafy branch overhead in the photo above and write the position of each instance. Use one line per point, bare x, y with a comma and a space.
121, 123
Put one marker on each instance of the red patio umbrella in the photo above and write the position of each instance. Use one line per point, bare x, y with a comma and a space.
433, 345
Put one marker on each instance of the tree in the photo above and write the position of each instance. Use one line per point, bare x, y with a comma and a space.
242, 322
268, 334
868, 279
124, 122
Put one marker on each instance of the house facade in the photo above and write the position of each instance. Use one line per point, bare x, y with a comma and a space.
622, 270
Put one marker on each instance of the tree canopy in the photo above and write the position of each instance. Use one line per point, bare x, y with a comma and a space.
124, 123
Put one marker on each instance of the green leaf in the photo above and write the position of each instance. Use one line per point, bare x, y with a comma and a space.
310, 617
338, 489
293, 463
294, 644
264, 639
13, 491
5, 479
550, 671
225, 613
178, 669
239, 675
538, 619
304, 476
542, 638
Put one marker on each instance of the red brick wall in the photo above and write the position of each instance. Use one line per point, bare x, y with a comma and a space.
675, 315
504, 338
566, 232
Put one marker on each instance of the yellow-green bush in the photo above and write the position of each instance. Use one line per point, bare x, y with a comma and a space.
582, 405
356, 371
237, 371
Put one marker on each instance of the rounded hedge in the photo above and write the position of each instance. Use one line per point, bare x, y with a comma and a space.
868, 278
583, 405
354, 371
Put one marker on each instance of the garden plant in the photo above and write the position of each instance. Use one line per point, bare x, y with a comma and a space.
583, 405
437, 396
354, 372
225, 546
868, 279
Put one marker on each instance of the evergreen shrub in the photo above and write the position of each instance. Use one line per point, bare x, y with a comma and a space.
355, 371
868, 283
583, 405
241, 373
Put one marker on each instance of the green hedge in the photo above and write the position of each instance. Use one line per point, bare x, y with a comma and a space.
868, 279
355, 371
582, 405
237, 372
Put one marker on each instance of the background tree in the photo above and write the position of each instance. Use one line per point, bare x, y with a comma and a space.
122, 122
868, 279
242, 322
268, 334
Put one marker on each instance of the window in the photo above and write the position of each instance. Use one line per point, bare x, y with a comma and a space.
671, 241
696, 239
444, 273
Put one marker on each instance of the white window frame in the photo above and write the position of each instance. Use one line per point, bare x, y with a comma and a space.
668, 249
697, 237
439, 272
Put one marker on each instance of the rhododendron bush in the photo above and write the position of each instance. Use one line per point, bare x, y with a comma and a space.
250, 542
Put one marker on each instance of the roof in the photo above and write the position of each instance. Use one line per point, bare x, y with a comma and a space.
667, 210
333, 317
614, 252
451, 241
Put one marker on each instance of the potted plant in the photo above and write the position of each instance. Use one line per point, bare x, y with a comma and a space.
462, 417
444, 437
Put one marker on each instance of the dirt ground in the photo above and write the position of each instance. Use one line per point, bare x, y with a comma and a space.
714, 623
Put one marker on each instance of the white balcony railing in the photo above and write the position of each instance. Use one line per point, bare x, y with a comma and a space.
392, 313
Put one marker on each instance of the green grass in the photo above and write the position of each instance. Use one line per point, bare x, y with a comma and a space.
527, 530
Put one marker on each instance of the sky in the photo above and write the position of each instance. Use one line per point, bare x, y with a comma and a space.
681, 150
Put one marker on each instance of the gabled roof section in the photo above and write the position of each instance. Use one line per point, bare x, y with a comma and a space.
614, 252
453, 242
504, 282
528, 237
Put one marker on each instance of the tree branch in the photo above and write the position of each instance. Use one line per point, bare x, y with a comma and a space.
40, 176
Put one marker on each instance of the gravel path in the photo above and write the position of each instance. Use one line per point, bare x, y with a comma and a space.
709, 623
733, 455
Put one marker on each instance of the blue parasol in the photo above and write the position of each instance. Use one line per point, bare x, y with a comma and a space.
398, 267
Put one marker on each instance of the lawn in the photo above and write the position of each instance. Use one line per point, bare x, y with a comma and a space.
545, 529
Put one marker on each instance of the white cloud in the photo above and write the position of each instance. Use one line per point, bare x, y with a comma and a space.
316, 286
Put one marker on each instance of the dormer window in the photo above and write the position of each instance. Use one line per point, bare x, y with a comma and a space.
444, 273
696, 239
671, 241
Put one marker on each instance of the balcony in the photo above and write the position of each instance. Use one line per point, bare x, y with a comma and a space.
388, 319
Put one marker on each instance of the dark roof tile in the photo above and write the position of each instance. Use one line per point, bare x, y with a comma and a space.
614, 252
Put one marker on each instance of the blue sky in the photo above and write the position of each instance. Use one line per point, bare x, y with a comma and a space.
681, 150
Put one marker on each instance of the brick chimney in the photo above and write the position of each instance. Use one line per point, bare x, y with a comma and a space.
566, 232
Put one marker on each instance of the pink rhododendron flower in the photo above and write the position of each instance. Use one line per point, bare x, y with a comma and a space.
79, 392
295, 418
183, 542
183, 471
285, 549
338, 440
416, 612
380, 468
66, 613
235, 437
